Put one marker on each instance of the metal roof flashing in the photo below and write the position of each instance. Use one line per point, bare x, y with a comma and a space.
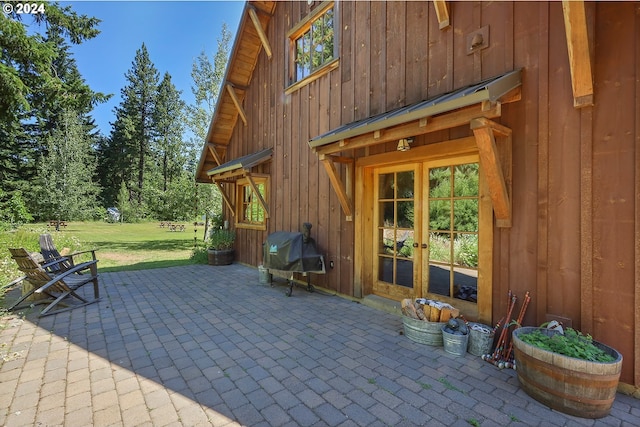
488, 90
244, 162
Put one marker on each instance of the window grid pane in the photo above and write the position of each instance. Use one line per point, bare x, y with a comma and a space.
252, 212
314, 48
453, 231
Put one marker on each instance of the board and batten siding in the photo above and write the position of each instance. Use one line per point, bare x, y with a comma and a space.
574, 240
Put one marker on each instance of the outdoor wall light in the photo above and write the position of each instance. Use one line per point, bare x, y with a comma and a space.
403, 144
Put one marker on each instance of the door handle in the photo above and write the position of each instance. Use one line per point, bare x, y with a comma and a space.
424, 246
415, 244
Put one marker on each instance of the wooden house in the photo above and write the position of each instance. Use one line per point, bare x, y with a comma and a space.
455, 150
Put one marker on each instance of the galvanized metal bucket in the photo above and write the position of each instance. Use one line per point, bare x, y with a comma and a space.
264, 277
454, 344
423, 332
480, 339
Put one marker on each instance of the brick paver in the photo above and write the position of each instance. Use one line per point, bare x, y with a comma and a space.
209, 346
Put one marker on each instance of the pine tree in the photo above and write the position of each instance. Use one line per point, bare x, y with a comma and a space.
38, 81
133, 129
116, 158
168, 118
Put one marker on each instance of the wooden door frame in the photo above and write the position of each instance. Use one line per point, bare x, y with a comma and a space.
363, 215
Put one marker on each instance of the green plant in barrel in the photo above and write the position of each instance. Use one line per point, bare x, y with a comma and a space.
572, 343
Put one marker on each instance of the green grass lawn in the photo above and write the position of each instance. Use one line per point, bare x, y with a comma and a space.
135, 246
120, 246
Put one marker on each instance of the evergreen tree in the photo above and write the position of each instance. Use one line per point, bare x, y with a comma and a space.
72, 93
26, 61
168, 121
38, 80
133, 129
115, 160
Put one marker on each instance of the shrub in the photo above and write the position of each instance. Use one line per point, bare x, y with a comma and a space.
221, 239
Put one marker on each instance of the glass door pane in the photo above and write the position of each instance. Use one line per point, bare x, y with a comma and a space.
395, 228
453, 207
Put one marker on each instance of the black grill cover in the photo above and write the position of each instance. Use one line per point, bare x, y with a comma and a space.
288, 251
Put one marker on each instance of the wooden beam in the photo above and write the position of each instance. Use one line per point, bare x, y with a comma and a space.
214, 153
236, 102
411, 129
343, 159
349, 178
451, 148
492, 168
226, 198
496, 127
264, 205
575, 25
338, 186
224, 176
261, 34
442, 11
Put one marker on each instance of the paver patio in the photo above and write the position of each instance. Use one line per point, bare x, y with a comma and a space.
209, 346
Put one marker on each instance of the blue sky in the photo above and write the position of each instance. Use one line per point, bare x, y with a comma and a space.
174, 32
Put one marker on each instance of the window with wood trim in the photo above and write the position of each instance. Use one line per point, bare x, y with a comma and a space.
249, 210
312, 44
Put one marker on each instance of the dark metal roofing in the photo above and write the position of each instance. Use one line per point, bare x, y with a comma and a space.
244, 162
487, 90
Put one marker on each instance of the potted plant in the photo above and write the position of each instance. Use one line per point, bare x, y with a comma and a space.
566, 370
220, 248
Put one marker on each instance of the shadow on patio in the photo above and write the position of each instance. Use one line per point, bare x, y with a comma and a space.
202, 345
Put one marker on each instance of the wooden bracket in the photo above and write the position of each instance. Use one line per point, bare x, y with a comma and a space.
236, 102
442, 11
214, 153
496, 164
261, 34
575, 26
225, 197
342, 189
254, 188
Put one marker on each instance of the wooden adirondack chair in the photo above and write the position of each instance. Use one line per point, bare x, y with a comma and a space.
50, 253
59, 288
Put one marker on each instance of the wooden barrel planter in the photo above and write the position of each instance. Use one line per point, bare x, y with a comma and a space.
574, 386
220, 257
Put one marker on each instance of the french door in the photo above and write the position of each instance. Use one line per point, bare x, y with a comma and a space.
432, 230
396, 230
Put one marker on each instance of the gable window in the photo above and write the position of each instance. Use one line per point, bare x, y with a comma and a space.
312, 46
249, 210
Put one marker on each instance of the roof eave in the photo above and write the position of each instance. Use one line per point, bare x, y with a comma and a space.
266, 9
492, 91
245, 162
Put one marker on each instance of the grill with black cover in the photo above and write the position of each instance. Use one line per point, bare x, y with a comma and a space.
293, 252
